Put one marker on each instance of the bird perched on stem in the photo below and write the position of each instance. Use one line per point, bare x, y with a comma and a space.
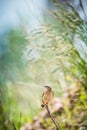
46, 98
47, 95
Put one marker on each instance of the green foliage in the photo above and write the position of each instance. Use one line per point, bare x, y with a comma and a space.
59, 58
11, 64
52, 58
57, 48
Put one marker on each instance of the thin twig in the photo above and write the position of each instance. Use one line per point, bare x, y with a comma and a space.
51, 116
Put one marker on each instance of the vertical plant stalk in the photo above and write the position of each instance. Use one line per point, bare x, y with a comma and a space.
6, 123
2, 117
51, 116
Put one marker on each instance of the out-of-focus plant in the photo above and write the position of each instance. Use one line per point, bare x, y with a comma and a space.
11, 63
58, 49
59, 41
53, 56
75, 33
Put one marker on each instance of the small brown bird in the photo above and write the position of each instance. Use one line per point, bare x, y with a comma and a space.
47, 95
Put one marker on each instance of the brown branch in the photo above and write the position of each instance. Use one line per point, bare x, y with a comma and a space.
51, 116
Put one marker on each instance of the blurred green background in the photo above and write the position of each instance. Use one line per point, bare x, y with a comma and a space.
41, 43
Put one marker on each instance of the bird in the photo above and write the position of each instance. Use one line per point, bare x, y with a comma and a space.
47, 95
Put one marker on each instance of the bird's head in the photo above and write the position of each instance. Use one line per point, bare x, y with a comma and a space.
48, 88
